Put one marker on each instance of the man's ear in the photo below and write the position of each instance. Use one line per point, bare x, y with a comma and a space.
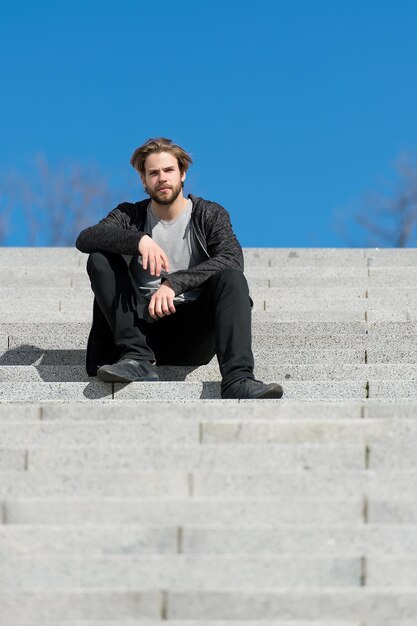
183, 176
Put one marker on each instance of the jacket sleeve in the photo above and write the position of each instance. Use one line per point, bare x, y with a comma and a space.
224, 250
115, 233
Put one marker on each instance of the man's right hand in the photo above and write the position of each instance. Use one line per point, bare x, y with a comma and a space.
153, 255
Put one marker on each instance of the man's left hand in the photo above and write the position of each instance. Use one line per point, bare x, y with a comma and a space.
162, 302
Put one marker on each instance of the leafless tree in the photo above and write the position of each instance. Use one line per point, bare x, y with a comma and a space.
54, 203
389, 218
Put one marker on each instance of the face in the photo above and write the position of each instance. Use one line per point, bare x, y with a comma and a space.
162, 179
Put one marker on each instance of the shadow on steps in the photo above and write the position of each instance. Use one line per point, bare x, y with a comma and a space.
36, 356
69, 365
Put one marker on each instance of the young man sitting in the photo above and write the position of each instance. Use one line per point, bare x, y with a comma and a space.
183, 297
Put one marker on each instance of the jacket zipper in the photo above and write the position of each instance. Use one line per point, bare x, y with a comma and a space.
199, 240
195, 231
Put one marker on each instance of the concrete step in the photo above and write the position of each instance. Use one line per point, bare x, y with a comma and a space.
398, 510
296, 303
30, 292
386, 354
32, 354
187, 458
400, 455
61, 278
179, 572
77, 604
399, 410
386, 257
130, 539
376, 293
262, 323
210, 372
395, 315
397, 295
171, 391
62, 325
200, 409
310, 276
24, 257
146, 622
74, 335
321, 257
369, 607
156, 427
392, 571
257, 275
293, 390
371, 484
145, 484
288, 298
77, 373
152, 429
32, 255
371, 292
193, 457
264, 313
393, 277
303, 604
368, 539
208, 512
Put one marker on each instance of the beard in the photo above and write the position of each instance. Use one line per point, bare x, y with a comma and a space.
165, 198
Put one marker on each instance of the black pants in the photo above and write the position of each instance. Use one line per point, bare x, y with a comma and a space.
217, 322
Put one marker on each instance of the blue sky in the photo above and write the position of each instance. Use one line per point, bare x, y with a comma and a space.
291, 110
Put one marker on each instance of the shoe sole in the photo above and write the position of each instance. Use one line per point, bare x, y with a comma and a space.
110, 377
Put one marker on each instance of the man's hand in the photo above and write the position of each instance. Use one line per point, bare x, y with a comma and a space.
153, 255
162, 302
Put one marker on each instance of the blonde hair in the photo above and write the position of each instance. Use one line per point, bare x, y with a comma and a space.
159, 144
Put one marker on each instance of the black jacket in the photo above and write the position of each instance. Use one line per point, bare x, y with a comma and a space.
120, 232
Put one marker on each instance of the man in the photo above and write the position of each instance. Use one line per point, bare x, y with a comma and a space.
183, 297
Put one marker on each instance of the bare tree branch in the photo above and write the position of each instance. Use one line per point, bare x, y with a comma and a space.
386, 219
56, 203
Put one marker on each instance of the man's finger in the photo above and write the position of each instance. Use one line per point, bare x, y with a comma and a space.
156, 305
172, 306
151, 307
158, 309
145, 260
166, 306
152, 265
158, 267
166, 263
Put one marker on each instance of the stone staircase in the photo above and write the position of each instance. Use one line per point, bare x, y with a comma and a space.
148, 503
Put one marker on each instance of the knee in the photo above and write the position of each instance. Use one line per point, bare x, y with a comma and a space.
100, 261
231, 276
230, 281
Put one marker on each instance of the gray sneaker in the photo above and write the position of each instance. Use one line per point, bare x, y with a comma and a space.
251, 389
128, 371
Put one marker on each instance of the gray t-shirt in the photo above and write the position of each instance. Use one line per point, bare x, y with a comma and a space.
177, 239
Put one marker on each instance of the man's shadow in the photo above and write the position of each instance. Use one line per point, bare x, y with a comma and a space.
57, 366
69, 366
